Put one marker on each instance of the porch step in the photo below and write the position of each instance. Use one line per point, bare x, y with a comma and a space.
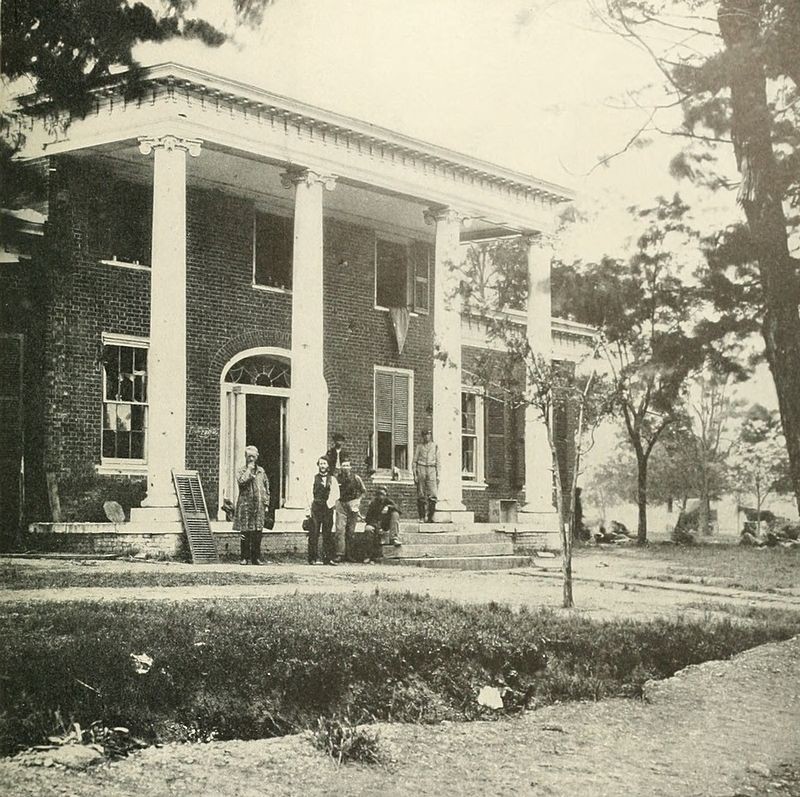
454, 538
455, 550
479, 562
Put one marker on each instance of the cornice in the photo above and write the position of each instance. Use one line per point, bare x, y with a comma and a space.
172, 80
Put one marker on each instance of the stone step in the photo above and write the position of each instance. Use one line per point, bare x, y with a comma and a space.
502, 562
454, 538
445, 528
407, 551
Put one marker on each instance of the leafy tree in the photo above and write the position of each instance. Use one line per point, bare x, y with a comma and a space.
733, 66
759, 462
67, 48
645, 312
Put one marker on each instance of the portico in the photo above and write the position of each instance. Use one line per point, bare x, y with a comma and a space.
358, 199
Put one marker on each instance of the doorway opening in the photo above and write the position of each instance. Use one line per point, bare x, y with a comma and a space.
254, 411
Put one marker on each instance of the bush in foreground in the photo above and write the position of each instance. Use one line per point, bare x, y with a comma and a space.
252, 669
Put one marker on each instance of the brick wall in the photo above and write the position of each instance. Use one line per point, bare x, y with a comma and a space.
225, 315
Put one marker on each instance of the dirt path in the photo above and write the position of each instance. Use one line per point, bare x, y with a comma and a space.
605, 587
716, 730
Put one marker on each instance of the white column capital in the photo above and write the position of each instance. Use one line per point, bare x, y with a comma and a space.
447, 215
542, 241
169, 143
300, 176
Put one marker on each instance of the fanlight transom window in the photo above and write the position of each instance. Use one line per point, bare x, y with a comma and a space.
260, 370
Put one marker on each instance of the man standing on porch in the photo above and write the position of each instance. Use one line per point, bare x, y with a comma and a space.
251, 506
351, 490
426, 475
324, 495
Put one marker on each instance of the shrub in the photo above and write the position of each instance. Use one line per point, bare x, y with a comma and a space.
83, 493
345, 741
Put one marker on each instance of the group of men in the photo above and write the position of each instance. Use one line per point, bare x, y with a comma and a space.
335, 506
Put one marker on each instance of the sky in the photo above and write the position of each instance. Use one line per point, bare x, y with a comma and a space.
540, 87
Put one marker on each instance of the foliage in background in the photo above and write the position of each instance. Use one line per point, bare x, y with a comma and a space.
759, 463
645, 310
733, 66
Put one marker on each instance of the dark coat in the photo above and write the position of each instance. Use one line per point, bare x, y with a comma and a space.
330, 455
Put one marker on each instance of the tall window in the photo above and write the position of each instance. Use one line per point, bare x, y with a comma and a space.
393, 412
273, 247
120, 219
124, 402
402, 274
469, 436
472, 436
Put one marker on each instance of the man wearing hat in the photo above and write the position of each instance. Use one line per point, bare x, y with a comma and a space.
251, 506
336, 454
351, 489
382, 516
426, 476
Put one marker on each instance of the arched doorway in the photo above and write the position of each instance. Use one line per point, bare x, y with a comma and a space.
255, 388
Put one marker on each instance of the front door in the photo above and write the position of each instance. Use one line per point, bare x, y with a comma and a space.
254, 405
265, 428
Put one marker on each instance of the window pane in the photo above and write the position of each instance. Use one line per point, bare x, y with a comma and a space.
391, 274
384, 449
124, 445
137, 445
468, 455
139, 389
126, 388
274, 244
126, 359
109, 443
110, 416
111, 367
140, 360
401, 456
123, 417
421, 253
137, 418
468, 413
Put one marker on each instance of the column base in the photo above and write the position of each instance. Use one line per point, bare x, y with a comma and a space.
453, 516
289, 518
538, 520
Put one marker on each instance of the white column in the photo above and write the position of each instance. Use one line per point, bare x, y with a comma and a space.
447, 362
538, 459
308, 403
166, 366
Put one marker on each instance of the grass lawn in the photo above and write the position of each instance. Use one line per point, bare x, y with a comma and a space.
259, 668
733, 566
14, 576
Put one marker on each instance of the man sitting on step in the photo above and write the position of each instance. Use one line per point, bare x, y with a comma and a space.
382, 516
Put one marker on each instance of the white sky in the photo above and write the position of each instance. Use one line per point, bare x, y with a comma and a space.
534, 86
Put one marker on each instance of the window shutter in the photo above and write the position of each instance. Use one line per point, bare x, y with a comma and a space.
400, 409
495, 439
518, 443
383, 401
420, 275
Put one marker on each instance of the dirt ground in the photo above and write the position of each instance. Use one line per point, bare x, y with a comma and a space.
721, 729
608, 583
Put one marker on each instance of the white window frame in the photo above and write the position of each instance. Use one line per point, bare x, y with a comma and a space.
478, 480
385, 474
112, 465
257, 285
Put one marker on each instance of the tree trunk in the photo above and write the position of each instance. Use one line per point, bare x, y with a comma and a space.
761, 198
641, 497
564, 528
